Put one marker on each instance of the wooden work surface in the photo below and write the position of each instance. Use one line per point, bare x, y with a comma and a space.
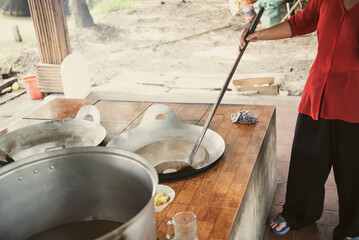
215, 195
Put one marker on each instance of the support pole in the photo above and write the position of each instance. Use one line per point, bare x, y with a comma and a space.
51, 30
53, 41
17, 34
291, 10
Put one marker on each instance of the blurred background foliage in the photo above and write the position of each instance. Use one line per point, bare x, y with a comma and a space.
105, 6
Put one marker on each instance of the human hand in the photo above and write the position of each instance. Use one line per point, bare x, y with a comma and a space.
250, 38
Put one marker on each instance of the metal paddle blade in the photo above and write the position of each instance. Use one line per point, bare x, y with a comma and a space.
170, 166
224, 88
170, 155
5, 158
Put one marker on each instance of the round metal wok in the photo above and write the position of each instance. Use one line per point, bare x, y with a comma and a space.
162, 137
84, 130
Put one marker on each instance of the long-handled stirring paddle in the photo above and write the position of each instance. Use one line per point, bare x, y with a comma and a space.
180, 164
224, 88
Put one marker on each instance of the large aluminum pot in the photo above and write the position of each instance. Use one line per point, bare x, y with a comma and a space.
88, 187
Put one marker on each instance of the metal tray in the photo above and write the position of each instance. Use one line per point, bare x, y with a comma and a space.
84, 130
162, 136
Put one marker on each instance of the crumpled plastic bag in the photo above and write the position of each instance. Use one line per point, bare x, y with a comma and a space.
244, 117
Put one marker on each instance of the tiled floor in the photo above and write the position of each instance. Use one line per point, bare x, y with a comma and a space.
322, 229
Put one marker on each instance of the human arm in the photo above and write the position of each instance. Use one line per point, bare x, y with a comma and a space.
301, 23
278, 31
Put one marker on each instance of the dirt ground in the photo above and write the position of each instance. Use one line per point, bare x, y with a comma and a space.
173, 39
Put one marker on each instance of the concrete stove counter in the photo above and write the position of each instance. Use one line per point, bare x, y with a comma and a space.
231, 199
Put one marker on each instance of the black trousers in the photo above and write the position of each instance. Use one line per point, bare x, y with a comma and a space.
317, 147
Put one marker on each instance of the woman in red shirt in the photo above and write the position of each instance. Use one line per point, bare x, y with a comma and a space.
327, 129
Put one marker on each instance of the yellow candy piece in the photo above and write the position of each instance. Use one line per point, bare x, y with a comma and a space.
161, 198
15, 86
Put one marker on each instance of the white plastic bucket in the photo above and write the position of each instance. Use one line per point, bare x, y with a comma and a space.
75, 76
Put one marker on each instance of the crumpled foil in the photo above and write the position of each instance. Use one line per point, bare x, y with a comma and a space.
244, 117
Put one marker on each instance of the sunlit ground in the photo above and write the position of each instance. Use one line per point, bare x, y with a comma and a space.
7, 39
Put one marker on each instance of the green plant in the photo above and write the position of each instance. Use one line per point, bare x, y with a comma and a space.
105, 6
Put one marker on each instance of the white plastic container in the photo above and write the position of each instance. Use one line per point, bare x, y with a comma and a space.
75, 76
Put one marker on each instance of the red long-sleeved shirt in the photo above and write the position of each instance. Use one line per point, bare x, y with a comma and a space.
332, 88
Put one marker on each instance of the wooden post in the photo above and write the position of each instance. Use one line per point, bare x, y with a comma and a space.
53, 40
51, 29
17, 34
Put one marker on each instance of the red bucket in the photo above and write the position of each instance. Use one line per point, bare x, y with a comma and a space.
32, 88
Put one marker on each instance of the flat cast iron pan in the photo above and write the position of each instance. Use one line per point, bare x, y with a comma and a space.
84, 130
163, 137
